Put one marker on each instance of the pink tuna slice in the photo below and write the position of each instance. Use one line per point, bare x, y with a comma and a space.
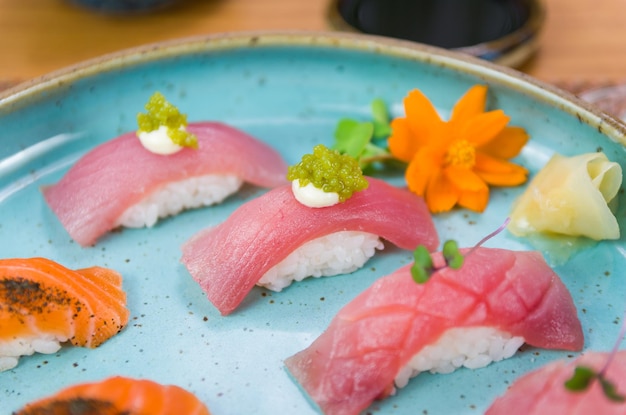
95, 192
543, 391
357, 358
229, 259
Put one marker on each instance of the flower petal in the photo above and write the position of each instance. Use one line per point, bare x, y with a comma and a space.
417, 129
474, 200
507, 144
443, 171
421, 170
499, 172
401, 143
424, 121
483, 128
441, 195
471, 104
464, 179
419, 110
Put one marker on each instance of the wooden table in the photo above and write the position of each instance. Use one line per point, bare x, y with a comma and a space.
582, 41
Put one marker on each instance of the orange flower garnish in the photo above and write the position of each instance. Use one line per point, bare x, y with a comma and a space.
454, 162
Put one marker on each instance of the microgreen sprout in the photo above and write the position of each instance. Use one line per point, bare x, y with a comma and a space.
583, 376
365, 140
423, 265
452, 255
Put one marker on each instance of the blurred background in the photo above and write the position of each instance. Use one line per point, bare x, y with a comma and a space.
580, 44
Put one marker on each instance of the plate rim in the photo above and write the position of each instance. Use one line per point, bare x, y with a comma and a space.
30, 91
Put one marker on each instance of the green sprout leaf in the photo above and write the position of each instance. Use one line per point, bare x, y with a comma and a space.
372, 151
422, 266
352, 137
610, 391
452, 255
581, 379
379, 111
584, 376
365, 140
382, 128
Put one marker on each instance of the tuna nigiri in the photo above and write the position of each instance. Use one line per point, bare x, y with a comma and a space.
43, 304
397, 328
543, 391
119, 395
120, 183
258, 241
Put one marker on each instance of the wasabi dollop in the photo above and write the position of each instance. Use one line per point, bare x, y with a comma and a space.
163, 129
325, 177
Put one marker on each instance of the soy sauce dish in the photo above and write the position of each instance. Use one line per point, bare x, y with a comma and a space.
502, 31
289, 89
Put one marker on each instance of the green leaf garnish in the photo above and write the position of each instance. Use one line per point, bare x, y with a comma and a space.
365, 140
581, 379
584, 376
352, 137
452, 255
423, 266
379, 111
380, 115
610, 391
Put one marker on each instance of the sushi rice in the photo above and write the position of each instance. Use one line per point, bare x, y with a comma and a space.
337, 253
10, 351
471, 347
175, 197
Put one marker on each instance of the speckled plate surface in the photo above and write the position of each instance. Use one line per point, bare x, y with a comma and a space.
288, 89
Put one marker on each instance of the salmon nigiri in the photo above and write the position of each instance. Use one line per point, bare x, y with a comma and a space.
397, 328
44, 304
119, 395
544, 391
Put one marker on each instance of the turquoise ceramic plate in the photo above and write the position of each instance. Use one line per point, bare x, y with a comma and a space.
289, 90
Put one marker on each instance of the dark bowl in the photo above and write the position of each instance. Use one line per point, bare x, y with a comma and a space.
123, 6
501, 31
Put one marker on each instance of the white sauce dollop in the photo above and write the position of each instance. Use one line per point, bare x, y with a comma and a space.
311, 196
158, 141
